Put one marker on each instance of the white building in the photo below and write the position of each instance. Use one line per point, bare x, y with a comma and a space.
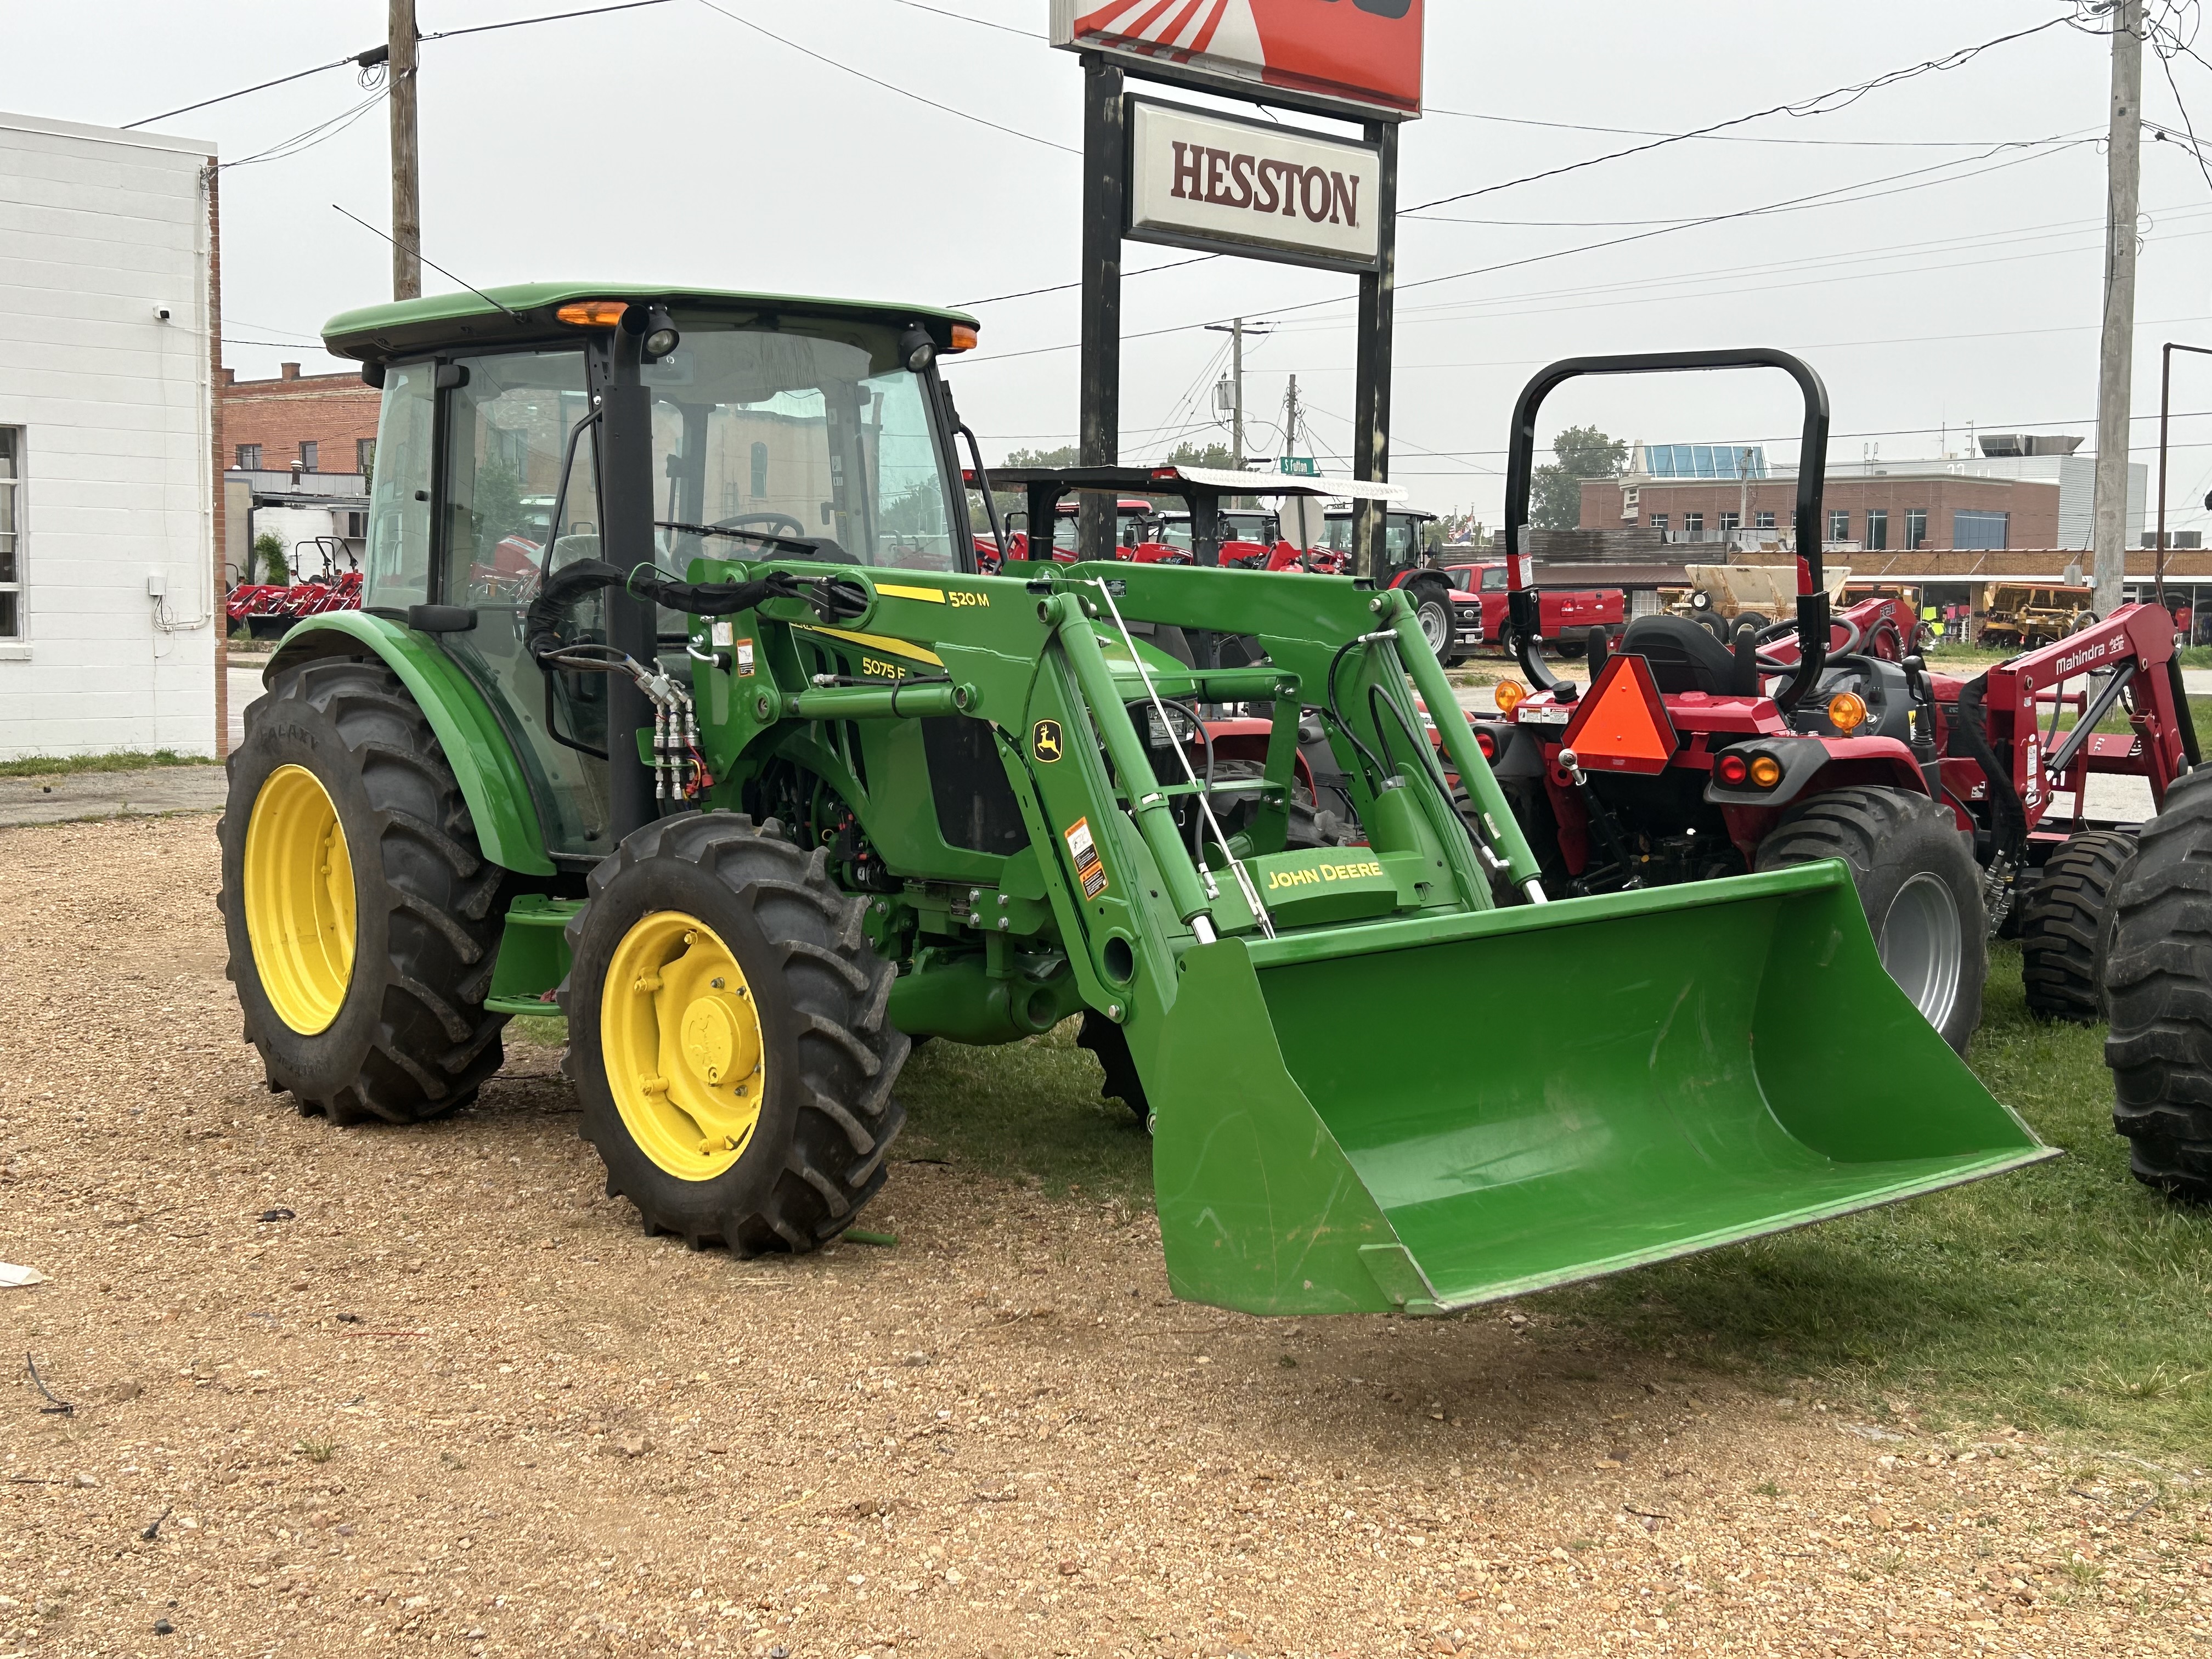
111, 603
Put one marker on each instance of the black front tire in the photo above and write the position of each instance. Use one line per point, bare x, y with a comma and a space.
2158, 990
831, 1055
1919, 886
2064, 925
411, 1039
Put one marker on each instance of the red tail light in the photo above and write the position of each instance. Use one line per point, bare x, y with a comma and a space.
1487, 744
1733, 770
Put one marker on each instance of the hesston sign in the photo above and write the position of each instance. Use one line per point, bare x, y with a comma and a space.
1362, 54
1201, 179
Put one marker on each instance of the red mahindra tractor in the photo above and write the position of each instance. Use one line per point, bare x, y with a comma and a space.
1685, 757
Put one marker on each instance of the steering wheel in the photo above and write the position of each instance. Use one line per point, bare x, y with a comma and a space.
769, 521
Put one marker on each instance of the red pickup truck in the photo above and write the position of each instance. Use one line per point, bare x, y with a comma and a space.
1567, 615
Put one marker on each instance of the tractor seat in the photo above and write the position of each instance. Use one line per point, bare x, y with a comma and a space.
1684, 655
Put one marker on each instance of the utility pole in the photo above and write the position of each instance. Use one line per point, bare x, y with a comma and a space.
2116, 360
406, 161
1236, 417
1237, 330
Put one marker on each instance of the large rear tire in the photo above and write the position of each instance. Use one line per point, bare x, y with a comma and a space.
729, 1037
1432, 609
2158, 990
1920, 888
363, 919
2064, 924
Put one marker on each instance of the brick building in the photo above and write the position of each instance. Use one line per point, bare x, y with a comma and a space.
1904, 508
306, 423
2033, 493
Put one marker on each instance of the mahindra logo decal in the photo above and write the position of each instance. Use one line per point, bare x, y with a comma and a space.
2073, 660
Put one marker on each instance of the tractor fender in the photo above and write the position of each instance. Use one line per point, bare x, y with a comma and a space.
1812, 765
483, 759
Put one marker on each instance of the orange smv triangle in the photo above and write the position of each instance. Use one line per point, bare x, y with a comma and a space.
1622, 726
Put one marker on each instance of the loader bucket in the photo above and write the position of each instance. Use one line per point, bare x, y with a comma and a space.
1430, 1114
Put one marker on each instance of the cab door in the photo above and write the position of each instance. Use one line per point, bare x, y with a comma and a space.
516, 497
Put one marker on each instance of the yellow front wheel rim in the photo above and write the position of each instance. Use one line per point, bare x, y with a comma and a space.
680, 1039
300, 910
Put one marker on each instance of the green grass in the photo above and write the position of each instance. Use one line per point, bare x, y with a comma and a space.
2065, 1297
121, 760
2196, 656
1028, 1112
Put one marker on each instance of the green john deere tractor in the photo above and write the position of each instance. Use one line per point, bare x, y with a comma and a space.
678, 702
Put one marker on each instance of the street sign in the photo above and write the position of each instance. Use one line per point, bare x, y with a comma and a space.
1201, 179
1360, 56
1299, 467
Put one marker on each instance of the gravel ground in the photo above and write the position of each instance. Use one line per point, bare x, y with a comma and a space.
362, 1391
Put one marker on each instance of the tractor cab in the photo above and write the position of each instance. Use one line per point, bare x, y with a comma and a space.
563, 427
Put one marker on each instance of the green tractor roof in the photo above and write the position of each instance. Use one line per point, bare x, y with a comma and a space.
526, 311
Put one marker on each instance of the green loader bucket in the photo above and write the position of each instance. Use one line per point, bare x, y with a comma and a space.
1426, 1115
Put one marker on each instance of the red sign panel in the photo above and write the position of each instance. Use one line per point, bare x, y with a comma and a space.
1365, 52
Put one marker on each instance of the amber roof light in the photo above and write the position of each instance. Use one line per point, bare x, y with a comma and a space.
593, 314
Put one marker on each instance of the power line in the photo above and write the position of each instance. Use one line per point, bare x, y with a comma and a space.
888, 86
322, 132
299, 75
374, 56
551, 17
980, 22
1825, 103
1061, 287
1560, 253
1714, 137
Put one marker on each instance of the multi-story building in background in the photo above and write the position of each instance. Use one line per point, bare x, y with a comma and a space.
2018, 493
299, 451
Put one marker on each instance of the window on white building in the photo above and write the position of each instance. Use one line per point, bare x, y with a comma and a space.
11, 545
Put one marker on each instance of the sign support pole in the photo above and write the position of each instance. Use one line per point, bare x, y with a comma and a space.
1105, 192
1378, 313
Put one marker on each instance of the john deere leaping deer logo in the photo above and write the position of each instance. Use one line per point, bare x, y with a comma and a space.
1044, 741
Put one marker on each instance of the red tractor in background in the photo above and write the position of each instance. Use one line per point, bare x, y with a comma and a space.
1204, 532
1825, 736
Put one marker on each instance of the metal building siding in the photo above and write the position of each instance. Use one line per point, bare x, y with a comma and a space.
98, 230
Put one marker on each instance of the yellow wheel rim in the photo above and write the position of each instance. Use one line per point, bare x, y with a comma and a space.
680, 1039
300, 900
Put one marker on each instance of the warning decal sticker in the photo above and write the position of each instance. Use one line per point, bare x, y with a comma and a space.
1090, 869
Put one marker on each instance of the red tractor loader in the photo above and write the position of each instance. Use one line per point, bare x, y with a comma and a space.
1823, 736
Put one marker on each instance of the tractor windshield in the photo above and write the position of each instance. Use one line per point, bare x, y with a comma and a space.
821, 436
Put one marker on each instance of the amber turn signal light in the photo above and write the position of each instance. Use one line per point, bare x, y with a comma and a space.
1847, 712
964, 336
1766, 772
593, 314
1511, 694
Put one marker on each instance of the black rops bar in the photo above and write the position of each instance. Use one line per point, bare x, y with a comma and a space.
1812, 475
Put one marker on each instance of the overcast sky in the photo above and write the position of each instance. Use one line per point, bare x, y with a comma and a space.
674, 144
